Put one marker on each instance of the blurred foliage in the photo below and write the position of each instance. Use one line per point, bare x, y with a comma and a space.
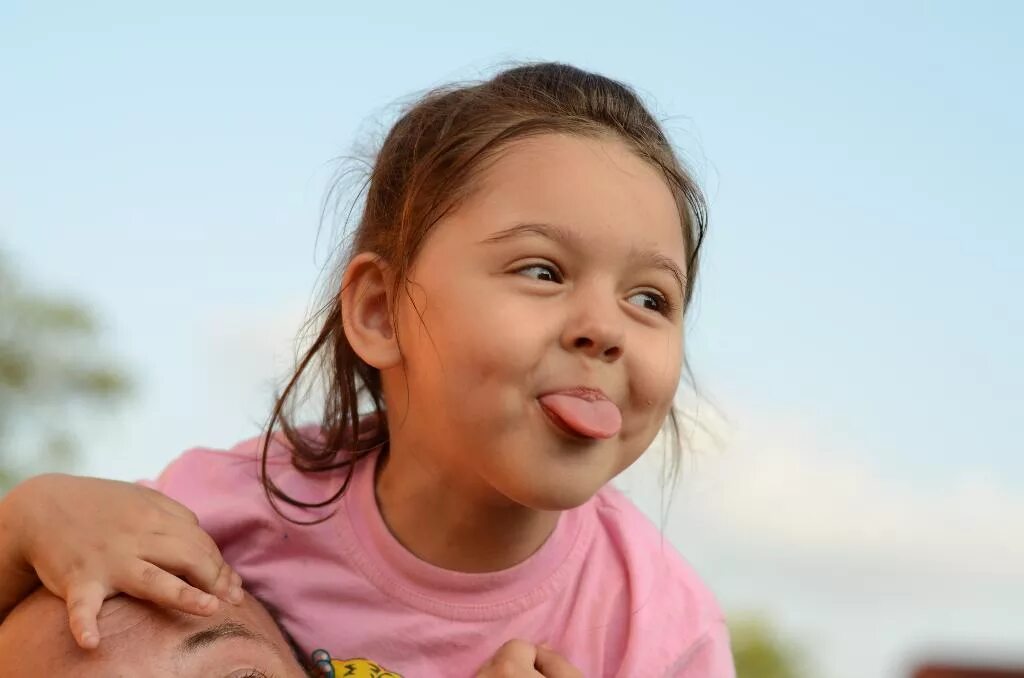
51, 369
760, 653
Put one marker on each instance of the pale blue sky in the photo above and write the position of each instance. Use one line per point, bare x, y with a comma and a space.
862, 271
861, 165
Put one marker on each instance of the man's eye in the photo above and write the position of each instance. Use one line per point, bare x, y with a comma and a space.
541, 272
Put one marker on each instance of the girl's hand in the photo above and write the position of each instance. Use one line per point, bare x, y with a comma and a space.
519, 659
88, 539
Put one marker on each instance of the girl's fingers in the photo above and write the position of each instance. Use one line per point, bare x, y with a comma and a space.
229, 585
514, 658
84, 600
554, 665
174, 508
147, 581
200, 563
155, 498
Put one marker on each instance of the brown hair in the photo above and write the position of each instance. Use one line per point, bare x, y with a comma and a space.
423, 170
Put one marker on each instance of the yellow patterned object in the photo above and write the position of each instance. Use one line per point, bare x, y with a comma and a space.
348, 668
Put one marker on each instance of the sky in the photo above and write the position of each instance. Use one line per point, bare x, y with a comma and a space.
856, 474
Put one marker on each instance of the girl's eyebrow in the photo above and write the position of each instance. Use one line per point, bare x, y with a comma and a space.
573, 240
554, 232
658, 260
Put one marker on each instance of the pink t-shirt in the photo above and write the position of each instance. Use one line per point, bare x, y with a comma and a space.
605, 590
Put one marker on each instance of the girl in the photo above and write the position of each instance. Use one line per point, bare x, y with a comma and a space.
512, 313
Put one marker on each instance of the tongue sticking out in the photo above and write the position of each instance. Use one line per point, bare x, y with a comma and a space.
591, 418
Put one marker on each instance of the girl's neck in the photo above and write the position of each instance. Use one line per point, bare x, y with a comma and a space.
450, 528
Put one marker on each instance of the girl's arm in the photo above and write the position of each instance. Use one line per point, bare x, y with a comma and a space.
17, 578
86, 539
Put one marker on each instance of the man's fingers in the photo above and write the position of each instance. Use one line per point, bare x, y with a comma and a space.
147, 581
84, 601
553, 665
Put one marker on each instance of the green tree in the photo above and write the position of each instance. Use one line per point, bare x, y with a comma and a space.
760, 653
51, 371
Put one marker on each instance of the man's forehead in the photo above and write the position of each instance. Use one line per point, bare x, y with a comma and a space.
121, 614
141, 634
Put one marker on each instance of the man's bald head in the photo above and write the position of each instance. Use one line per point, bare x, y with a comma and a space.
140, 639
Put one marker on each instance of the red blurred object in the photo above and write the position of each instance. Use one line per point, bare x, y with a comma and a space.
964, 671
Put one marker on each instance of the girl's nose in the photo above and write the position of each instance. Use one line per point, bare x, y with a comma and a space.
596, 329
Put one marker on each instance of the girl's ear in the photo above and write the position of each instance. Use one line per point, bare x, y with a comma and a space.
366, 311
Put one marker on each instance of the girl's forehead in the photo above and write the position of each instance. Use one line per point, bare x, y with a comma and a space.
587, 189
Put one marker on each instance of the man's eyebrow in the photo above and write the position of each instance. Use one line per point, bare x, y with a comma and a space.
569, 238
222, 631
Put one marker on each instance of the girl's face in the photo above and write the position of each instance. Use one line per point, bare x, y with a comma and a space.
559, 271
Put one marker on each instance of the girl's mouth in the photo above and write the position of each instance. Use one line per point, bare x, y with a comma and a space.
560, 424
586, 415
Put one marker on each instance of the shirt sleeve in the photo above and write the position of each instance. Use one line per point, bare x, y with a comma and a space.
709, 657
224, 491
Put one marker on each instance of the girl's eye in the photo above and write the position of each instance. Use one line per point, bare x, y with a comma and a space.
543, 272
655, 302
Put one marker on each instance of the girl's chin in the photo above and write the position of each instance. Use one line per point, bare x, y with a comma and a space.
547, 490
